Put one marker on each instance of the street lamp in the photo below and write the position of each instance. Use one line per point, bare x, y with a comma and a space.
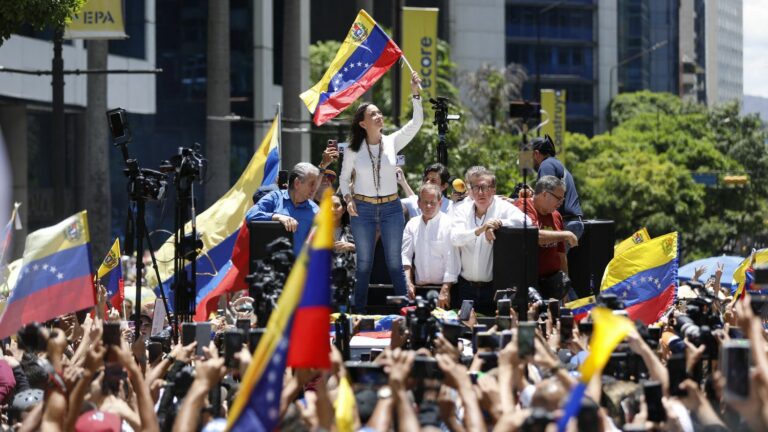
627, 60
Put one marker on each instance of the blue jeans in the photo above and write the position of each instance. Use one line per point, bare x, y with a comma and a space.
389, 219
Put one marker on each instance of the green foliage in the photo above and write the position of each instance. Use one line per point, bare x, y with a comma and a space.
641, 173
36, 13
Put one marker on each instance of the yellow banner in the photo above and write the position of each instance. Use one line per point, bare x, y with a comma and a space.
98, 19
553, 102
419, 45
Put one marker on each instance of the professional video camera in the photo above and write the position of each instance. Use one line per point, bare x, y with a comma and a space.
343, 279
179, 380
266, 284
422, 326
144, 184
440, 106
188, 165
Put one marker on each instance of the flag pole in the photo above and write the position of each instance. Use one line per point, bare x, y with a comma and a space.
279, 115
407, 63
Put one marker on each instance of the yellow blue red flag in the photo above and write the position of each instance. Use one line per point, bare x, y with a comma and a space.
644, 277
744, 276
220, 224
110, 274
56, 277
609, 330
297, 333
364, 56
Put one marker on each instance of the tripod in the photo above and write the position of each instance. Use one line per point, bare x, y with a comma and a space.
188, 166
143, 185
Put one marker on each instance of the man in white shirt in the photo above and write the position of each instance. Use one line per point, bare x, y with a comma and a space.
428, 256
473, 233
438, 175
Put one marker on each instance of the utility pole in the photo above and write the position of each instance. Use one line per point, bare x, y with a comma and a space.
94, 176
217, 133
295, 148
58, 132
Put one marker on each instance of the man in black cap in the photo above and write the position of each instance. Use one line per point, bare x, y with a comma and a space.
545, 162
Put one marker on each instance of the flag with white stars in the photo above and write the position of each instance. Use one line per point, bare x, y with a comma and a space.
364, 56
644, 277
56, 276
257, 405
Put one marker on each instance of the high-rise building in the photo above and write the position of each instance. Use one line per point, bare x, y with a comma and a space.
567, 45
722, 47
648, 45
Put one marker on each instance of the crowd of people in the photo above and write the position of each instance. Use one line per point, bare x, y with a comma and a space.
462, 359
702, 367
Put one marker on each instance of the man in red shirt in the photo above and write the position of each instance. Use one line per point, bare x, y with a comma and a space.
542, 209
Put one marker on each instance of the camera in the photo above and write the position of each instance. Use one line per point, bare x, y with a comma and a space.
188, 164
118, 126
266, 284
343, 279
422, 325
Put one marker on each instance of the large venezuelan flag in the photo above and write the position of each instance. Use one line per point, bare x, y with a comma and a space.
110, 274
220, 224
365, 55
644, 277
56, 277
257, 405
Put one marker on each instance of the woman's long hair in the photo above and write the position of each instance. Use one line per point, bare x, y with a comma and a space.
357, 133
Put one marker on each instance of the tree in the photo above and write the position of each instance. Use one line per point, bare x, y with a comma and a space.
36, 13
490, 90
642, 173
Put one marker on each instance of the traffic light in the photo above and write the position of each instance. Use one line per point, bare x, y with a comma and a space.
735, 180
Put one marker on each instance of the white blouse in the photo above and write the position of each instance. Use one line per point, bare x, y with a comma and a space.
360, 161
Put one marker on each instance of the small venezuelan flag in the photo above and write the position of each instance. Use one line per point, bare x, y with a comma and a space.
365, 55
110, 275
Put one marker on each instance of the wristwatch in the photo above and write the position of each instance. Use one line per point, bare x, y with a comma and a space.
416, 96
168, 356
384, 393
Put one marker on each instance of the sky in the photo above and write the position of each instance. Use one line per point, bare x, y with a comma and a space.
755, 47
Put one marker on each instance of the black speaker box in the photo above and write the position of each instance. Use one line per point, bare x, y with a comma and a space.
516, 261
587, 262
261, 234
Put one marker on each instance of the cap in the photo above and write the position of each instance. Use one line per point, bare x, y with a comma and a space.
544, 145
98, 421
27, 399
329, 173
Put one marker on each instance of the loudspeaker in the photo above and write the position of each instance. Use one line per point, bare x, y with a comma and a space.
516, 261
261, 234
587, 262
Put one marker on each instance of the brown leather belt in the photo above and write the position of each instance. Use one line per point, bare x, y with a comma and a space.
376, 200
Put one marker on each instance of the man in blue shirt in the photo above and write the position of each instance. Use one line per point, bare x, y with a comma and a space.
292, 207
546, 164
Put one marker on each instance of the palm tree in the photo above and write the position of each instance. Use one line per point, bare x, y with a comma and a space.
490, 89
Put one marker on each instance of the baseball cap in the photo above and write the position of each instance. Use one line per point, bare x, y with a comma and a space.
98, 421
544, 145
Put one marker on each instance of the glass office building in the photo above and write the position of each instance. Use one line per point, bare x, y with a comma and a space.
557, 44
649, 35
